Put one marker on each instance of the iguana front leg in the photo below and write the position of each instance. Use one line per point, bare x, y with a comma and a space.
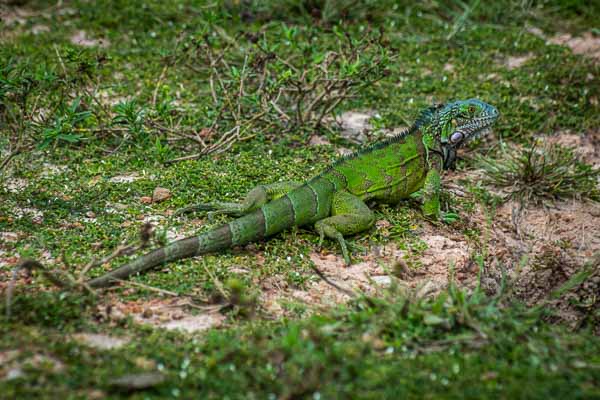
431, 194
254, 199
349, 215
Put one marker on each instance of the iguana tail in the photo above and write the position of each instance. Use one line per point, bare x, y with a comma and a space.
301, 206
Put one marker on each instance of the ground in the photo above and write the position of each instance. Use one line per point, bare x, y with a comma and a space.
115, 115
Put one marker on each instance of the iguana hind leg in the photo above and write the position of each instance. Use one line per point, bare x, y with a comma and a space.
349, 215
254, 199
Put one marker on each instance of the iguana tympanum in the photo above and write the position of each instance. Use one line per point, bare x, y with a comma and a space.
335, 201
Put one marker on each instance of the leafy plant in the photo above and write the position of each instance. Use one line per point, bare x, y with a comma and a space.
65, 125
130, 114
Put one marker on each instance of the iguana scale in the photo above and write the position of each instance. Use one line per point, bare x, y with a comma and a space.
334, 202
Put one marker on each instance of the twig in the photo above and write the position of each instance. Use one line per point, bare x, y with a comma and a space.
160, 78
331, 283
60, 60
280, 111
462, 19
216, 282
10, 156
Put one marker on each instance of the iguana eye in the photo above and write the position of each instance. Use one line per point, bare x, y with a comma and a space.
472, 109
456, 137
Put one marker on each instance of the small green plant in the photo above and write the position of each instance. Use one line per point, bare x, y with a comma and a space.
541, 172
64, 126
131, 115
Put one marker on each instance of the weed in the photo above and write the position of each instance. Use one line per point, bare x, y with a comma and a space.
130, 114
535, 173
65, 125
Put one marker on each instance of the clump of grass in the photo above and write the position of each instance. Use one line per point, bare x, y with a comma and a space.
542, 172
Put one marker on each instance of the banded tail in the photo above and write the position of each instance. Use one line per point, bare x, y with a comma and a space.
303, 205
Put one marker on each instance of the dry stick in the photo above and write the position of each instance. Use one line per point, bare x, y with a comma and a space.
119, 251
329, 109
223, 138
241, 89
212, 88
160, 78
280, 111
284, 62
18, 148
216, 282
194, 138
62, 64
326, 91
331, 283
10, 156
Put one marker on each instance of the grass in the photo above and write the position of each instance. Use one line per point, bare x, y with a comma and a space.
457, 346
74, 118
541, 172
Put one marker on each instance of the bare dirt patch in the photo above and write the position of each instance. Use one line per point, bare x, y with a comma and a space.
125, 178
548, 245
11, 16
447, 253
14, 366
587, 45
170, 314
542, 246
586, 146
100, 341
82, 38
355, 125
514, 62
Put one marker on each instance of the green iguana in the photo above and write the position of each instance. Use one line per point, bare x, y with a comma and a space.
335, 200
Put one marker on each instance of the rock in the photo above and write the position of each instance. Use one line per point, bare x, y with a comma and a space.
355, 125
383, 280
100, 341
128, 178
160, 194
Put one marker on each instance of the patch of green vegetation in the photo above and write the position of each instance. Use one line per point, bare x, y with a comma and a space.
458, 345
73, 118
537, 172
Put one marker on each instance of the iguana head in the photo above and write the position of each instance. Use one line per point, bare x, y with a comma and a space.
454, 124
